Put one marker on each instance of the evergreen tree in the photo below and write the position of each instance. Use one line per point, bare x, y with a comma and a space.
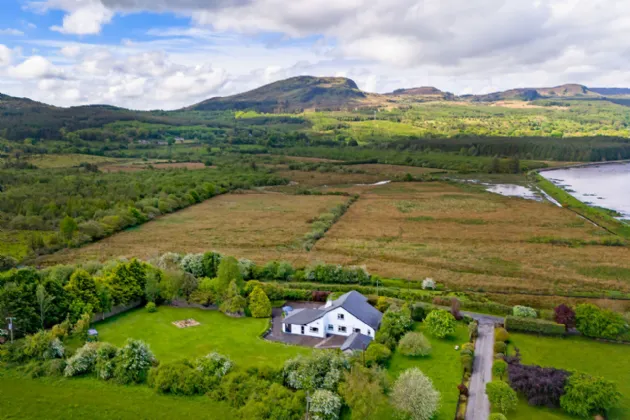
259, 304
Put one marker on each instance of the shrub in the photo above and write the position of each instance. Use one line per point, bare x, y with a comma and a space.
563, 314
83, 360
586, 396
105, 361
363, 391
133, 362
467, 361
151, 307
599, 323
56, 367
468, 347
414, 395
42, 346
455, 309
540, 386
538, 326
259, 304
169, 261
234, 303
499, 367
395, 323
473, 330
322, 369
501, 335
414, 344
382, 304
325, 405
82, 326
212, 368
497, 416
319, 296
247, 268
501, 396
500, 347
211, 261
277, 402
178, 378
428, 284
377, 354
193, 264
440, 323
419, 311
524, 312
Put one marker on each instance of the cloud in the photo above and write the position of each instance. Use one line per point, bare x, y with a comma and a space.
35, 67
5, 56
70, 51
11, 31
85, 17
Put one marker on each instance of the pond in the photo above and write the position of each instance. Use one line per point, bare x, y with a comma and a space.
604, 185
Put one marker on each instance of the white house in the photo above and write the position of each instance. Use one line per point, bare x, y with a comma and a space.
350, 315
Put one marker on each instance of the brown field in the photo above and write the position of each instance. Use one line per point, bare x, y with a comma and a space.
68, 160
394, 170
472, 240
316, 179
260, 226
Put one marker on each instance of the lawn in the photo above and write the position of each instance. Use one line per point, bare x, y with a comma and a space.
89, 398
443, 367
610, 361
237, 338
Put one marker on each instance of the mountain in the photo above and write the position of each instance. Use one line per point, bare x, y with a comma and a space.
418, 91
294, 94
611, 91
529, 94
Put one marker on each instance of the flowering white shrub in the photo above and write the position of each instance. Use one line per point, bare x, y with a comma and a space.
169, 260
246, 267
325, 405
83, 360
105, 361
193, 264
428, 283
524, 312
56, 350
214, 364
414, 395
133, 362
323, 369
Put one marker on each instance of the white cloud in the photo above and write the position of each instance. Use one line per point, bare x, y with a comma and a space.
5, 55
70, 51
35, 67
11, 31
86, 17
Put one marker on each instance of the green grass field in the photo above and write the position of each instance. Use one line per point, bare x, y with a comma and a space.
237, 338
443, 367
89, 398
610, 361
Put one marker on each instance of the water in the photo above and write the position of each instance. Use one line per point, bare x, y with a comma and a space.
605, 186
512, 190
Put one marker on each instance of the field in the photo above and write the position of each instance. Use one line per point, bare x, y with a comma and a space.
71, 159
595, 358
443, 367
237, 338
141, 166
469, 239
260, 226
89, 398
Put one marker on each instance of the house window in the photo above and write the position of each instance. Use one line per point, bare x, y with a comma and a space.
341, 328
331, 327
314, 329
357, 330
339, 316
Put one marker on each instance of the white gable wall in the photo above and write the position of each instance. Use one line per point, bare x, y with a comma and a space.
349, 321
314, 329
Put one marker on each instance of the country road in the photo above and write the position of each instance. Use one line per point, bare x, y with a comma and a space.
478, 404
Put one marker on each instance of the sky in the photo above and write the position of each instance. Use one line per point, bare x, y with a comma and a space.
166, 54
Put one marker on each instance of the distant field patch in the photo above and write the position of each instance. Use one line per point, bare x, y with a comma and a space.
70, 160
145, 166
260, 226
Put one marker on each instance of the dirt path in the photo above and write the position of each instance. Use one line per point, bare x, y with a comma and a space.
478, 404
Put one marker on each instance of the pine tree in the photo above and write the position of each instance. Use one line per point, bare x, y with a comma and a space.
259, 304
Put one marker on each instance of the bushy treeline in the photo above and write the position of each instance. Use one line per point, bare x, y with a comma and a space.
325, 221
81, 206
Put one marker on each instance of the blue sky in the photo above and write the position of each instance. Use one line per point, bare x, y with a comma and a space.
171, 53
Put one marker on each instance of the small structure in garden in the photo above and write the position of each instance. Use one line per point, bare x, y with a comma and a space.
186, 323
92, 335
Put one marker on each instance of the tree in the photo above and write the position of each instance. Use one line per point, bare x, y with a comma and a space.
320, 370
234, 303
440, 323
44, 302
499, 367
259, 304
501, 334
586, 396
133, 362
377, 354
362, 390
382, 304
501, 396
396, 322
563, 314
67, 227
593, 321
414, 395
540, 386
227, 273
414, 344
325, 405
83, 288
524, 312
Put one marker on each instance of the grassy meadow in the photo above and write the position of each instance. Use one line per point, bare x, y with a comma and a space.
575, 353
238, 338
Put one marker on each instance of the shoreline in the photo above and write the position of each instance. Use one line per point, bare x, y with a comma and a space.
582, 165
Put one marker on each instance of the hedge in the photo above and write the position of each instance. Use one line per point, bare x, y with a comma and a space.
533, 325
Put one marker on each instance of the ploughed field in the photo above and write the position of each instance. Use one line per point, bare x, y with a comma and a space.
462, 236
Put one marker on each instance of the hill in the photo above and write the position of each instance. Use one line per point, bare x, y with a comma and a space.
419, 91
294, 94
611, 91
529, 94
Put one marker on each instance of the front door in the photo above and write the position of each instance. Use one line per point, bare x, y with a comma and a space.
302, 329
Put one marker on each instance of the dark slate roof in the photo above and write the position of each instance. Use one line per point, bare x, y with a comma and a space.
357, 304
356, 341
353, 302
303, 316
